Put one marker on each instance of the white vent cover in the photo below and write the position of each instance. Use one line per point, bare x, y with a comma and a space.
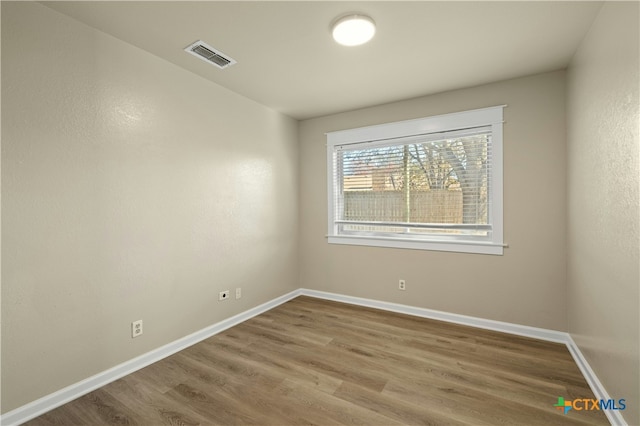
202, 50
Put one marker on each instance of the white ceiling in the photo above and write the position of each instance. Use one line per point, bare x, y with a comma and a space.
288, 61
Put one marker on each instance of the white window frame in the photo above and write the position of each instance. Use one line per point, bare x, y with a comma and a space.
492, 116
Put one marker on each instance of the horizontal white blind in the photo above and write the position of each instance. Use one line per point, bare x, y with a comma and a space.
423, 185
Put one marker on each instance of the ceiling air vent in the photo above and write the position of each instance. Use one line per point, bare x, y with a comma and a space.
207, 53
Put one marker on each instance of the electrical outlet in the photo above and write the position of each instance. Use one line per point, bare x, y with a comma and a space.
224, 295
238, 293
402, 285
136, 328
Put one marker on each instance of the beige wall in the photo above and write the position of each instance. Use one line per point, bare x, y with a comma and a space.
131, 190
527, 284
603, 215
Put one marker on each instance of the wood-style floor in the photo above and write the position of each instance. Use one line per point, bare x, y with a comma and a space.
312, 361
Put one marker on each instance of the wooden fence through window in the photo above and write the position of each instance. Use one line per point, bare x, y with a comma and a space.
435, 206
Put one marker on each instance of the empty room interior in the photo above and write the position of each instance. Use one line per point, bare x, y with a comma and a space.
224, 213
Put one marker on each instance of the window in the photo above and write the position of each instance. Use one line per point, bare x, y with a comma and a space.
433, 183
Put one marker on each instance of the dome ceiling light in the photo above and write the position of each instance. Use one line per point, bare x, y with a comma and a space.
353, 29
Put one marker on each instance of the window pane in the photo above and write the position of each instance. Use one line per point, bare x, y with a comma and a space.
442, 181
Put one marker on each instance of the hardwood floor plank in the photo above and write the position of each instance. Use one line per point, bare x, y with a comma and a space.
397, 409
471, 404
323, 408
98, 407
319, 362
327, 362
149, 405
257, 358
57, 418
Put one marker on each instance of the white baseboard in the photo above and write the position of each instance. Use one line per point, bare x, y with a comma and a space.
599, 391
51, 401
76, 390
505, 327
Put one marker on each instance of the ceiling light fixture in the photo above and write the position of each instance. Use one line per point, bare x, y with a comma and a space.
353, 29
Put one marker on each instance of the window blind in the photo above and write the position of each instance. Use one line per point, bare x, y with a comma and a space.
435, 184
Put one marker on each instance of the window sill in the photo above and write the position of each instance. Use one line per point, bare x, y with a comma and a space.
450, 246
